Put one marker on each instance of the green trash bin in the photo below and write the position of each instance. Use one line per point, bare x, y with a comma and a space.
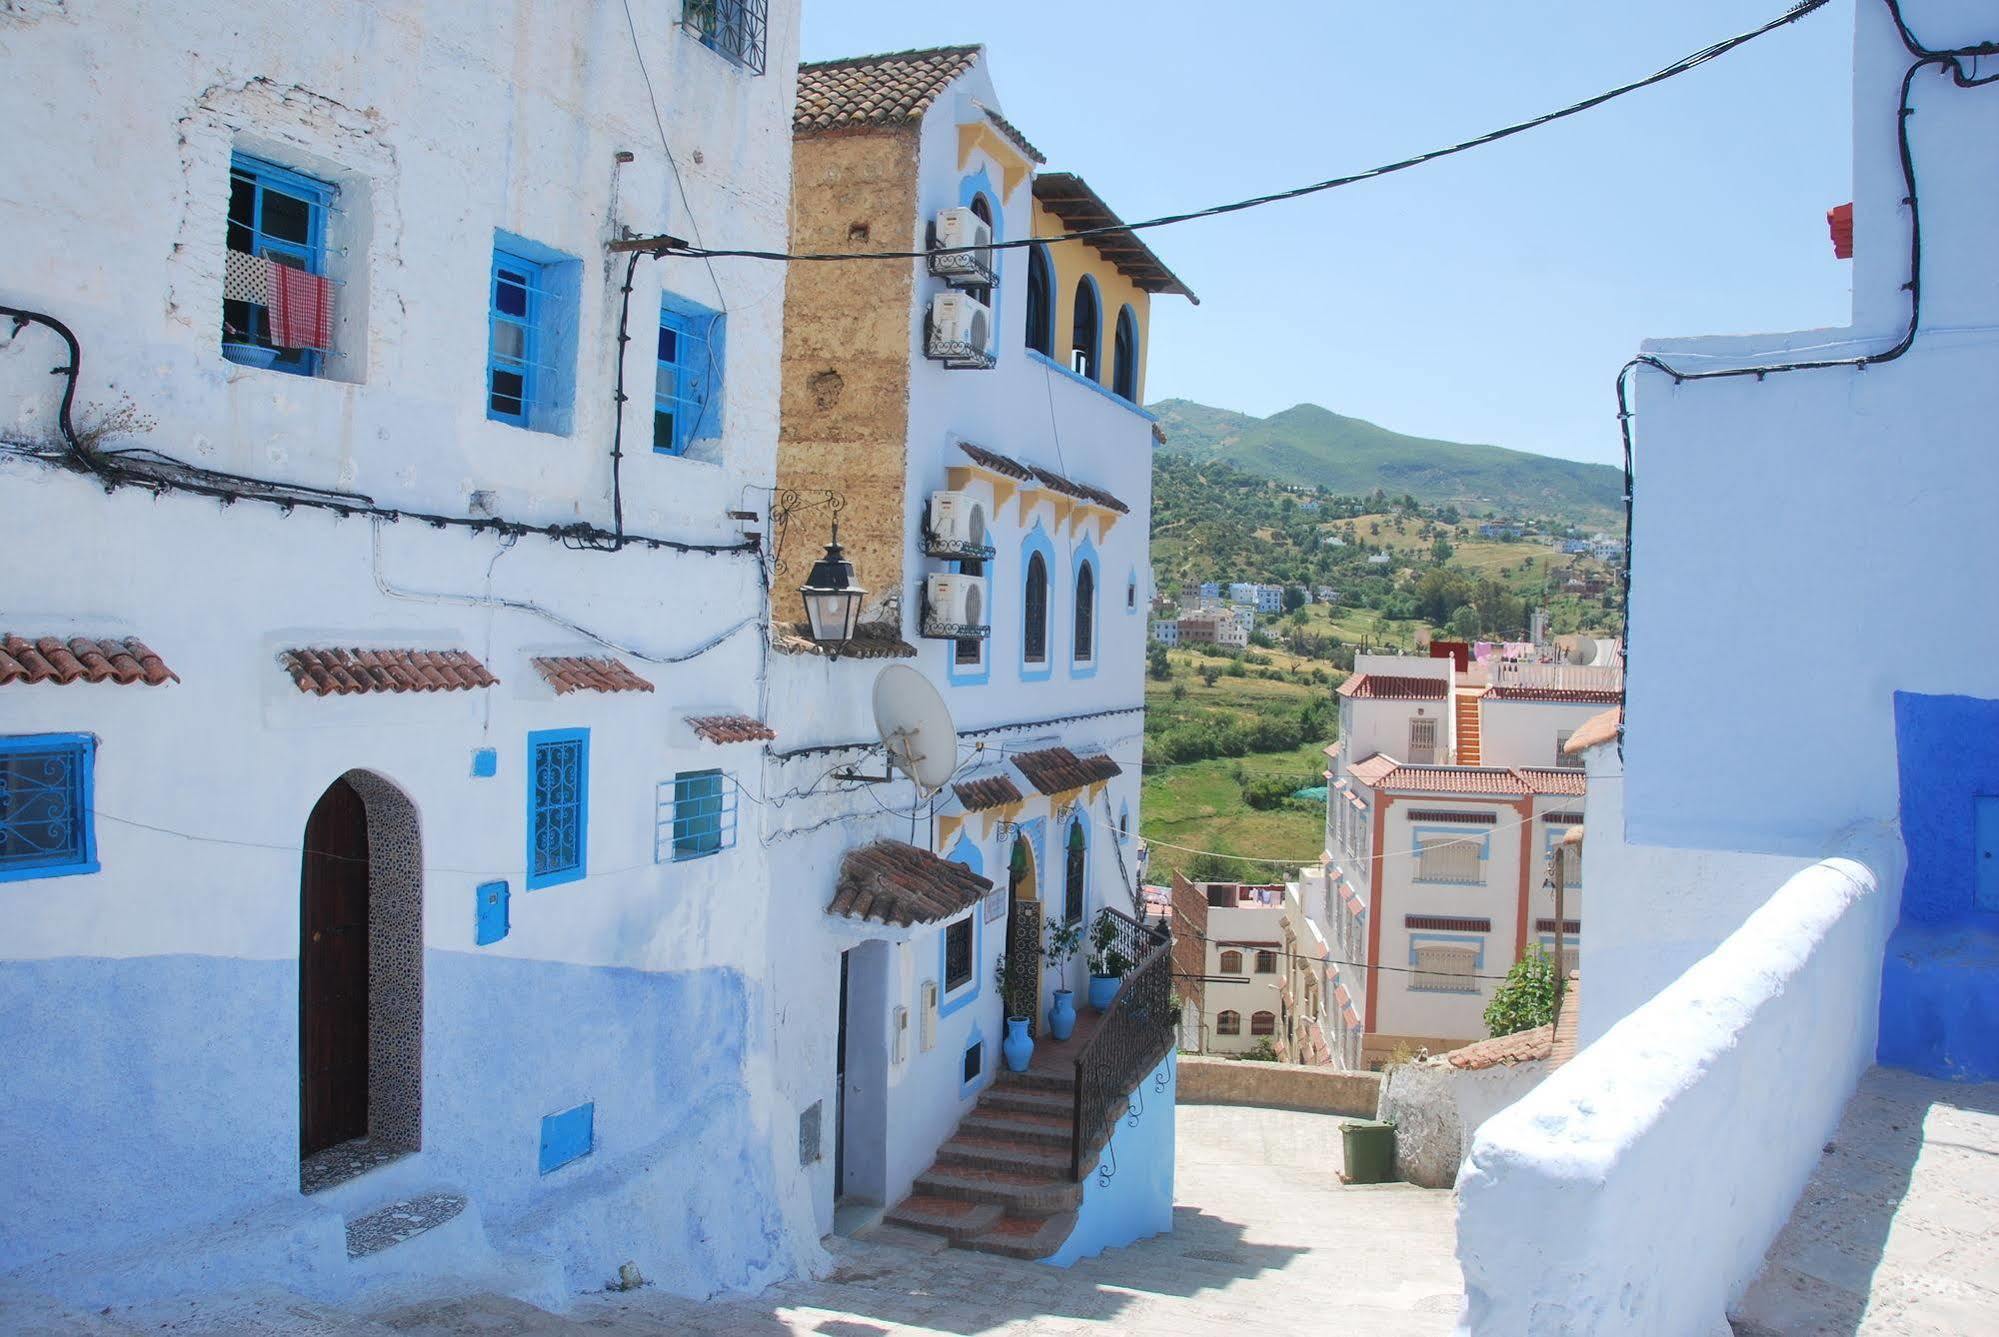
1369, 1145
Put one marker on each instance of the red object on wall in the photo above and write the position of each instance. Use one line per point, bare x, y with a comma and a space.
1458, 652
1839, 218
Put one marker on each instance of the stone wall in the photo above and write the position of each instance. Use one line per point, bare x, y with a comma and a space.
1221, 1081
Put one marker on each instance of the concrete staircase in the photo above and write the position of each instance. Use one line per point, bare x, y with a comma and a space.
1467, 722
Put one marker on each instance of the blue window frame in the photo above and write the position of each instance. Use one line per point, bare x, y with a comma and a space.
46, 818
733, 29
687, 381
513, 346
278, 215
558, 806
704, 814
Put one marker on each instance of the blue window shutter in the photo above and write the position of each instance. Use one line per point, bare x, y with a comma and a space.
47, 802
494, 919
558, 806
568, 1136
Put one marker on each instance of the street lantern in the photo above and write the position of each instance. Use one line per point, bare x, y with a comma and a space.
832, 599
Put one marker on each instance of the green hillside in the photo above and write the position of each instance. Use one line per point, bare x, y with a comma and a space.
1309, 446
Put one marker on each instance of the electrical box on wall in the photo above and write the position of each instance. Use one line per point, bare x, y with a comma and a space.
928, 1035
899, 1041
492, 915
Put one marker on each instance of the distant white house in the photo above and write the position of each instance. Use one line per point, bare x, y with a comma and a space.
1166, 631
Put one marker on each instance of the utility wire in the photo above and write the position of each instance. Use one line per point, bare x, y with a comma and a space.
1678, 67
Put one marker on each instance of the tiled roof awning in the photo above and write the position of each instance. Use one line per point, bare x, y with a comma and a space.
1079, 208
1568, 926
993, 791
885, 89
1389, 687
1057, 770
1577, 696
1596, 729
572, 674
730, 728
872, 640
1520, 1047
70, 659
894, 883
993, 460
1008, 467
352, 672
1013, 134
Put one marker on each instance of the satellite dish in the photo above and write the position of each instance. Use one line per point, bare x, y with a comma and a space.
915, 726
1584, 651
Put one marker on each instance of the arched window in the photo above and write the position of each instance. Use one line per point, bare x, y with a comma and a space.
1040, 302
1228, 1023
1263, 1023
1231, 963
1086, 331
983, 211
1124, 356
1072, 875
1086, 612
1124, 825
1266, 963
1035, 601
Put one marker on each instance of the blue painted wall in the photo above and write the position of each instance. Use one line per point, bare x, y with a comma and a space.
1135, 1199
1940, 974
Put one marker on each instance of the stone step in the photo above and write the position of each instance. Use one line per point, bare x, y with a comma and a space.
953, 1218
1028, 1100
1021, 1193
1040, 1128
402, 1220
1003, 1153
1062, 1079
1024, 1237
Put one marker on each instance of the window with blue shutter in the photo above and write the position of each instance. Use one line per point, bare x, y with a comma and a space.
687, 381
280, 216
45, 806
558, 805
514, 341
704, 814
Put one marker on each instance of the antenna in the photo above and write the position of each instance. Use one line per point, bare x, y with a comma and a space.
916, 728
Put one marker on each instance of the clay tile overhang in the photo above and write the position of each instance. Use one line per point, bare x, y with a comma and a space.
1552, 780
1373, 770
730, 728
1389, 687
1080, 209
885, 89
1575, 696
335, 672
1596, 729
894, 883
1013, 134
64, 660
574, 674
1005, 465
1520, 1047
872, 640
992, 791
1069, 487
1476, 780
1057, 770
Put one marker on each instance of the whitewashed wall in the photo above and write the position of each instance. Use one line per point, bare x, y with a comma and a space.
1523, 733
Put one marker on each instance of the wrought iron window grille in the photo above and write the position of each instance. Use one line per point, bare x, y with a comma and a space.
955, 354
736, 30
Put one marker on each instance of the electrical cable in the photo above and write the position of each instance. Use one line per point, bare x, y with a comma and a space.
1678, 67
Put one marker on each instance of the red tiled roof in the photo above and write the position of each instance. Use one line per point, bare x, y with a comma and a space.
896, 883
1056, 770
730, 728
1479, 780
1448, 923
81, 659
335, 672
1580, 696
573, 674
1373, 770
1839, 221
875, 90
1390, 687
1596, 729
992, 791
993, 460
1520, 1047
1555, 780
1012, 132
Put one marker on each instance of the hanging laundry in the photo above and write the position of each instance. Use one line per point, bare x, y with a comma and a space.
301, 308
246, 278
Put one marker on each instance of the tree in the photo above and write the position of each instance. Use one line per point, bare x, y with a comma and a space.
1442, 549
1294, 598
1209, 868
1464, 623
1526, 998
1157, 666
1209, 673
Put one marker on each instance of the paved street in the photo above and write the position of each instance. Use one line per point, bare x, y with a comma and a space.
1266, 1239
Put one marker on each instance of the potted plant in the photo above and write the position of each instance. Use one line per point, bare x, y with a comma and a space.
1017, 1048
1108, 964
1061, 948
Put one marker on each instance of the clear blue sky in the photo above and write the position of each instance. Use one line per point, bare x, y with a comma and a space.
1490, 297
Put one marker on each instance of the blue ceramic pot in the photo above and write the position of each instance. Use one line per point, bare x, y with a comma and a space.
1062, 1015
1018, 1047
1103, 988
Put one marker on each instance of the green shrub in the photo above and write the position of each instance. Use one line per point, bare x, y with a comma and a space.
1527, 997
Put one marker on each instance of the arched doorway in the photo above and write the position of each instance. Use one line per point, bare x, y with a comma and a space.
360, 979
1023, 934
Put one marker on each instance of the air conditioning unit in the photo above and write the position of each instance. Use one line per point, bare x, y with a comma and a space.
957, 527
961, 331
954, 607
956, 228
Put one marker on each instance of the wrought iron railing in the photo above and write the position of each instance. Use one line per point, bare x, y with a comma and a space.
1135, 1034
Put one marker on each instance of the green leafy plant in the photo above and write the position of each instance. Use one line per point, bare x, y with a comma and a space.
1064, 941
1105, 957
1003, 978
1261, 1052
1527, 997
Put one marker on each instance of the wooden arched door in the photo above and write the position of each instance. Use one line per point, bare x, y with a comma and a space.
333, 972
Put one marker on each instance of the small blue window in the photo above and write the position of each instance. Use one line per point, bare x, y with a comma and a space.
558, 805
704, 814
279, 216
687, 381
568, 1136
492, 917
46, 827
513, 350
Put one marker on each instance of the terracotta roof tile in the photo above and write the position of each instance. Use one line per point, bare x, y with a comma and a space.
1389, 687
992, 791
1373, 770
1521, 1047
1581, 696
335, 672
1081, 491
1480, 780
1447, 923
572, 674
885, 89
1012, 132
730, 728
64, 660
993, 460
895, 883
1080, 208
1554, 780
1057, 770
872, 640
1597, 729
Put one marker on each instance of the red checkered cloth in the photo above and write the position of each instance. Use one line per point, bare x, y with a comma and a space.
301, 308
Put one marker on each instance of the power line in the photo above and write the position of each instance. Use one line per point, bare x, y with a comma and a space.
1678, 67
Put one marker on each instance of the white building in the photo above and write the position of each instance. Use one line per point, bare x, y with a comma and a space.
1246, 962
371, 845
1750, 831
992, 484
1166, 630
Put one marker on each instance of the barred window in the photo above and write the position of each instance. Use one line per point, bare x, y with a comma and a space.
696, 816
558, 805
45, 806
1266, 963
1449, 859
1228, 1023
1441, 969
1231, 963
1263, 1023
733, 29
958, 955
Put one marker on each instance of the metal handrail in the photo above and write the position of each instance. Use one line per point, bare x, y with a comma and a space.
1139, 1012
